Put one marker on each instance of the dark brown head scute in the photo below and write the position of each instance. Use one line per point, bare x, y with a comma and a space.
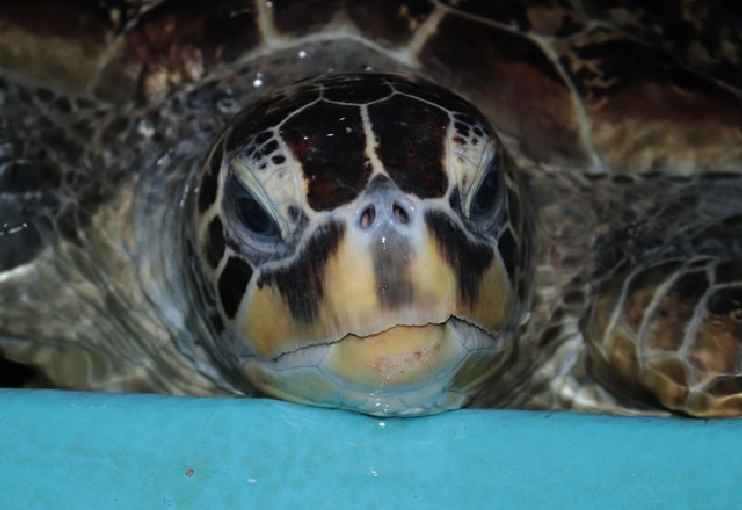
328, 141
214, 242
268, 113
439, 96
301, 284
208, 187
411, 138
269, 148
462, 128
204, 291
233, 284
468, 259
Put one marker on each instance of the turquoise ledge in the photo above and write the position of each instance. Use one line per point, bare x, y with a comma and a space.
62, 450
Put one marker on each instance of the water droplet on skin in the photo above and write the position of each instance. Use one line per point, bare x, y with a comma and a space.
145, 128
227, 105
164, 159
7, 229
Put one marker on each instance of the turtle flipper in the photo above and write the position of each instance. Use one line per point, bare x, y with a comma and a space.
673, 335
54, 316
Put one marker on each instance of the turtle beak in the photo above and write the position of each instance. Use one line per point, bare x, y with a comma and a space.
406, 370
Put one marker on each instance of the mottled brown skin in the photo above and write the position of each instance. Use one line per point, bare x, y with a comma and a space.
624, 124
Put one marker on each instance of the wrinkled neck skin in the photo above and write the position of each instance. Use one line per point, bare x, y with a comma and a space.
169, 269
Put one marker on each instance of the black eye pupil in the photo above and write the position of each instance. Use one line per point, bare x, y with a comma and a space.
250, 212
487, 194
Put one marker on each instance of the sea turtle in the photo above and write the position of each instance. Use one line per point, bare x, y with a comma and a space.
396, 208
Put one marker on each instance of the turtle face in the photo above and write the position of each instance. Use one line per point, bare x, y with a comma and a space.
363, 238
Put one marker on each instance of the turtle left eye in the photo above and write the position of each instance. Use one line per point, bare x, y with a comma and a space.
251, 212
486, 199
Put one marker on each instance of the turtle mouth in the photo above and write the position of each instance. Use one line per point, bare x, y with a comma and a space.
401, 370
400, 356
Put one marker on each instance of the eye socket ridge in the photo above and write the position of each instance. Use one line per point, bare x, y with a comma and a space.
250, 212
486, 199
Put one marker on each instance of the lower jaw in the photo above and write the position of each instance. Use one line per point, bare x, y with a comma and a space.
404, 371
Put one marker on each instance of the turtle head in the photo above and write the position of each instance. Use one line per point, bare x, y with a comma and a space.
364, 241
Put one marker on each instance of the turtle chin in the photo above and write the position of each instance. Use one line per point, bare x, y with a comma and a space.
405, 370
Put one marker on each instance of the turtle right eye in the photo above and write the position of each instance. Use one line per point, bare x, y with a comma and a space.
485, 200
488, 196
251, 213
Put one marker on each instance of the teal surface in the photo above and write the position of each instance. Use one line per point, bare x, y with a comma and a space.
86, 451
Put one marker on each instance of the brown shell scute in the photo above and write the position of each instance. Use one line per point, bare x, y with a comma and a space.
512, 79
647, 110
27, 30
555, 93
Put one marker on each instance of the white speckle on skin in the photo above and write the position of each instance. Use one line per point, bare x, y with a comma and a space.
145, 128
258, 81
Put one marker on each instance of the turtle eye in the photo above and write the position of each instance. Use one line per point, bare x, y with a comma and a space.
487, 196
250, 212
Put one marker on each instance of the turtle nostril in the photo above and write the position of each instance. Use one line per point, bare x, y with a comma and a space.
368, 215
400, 214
